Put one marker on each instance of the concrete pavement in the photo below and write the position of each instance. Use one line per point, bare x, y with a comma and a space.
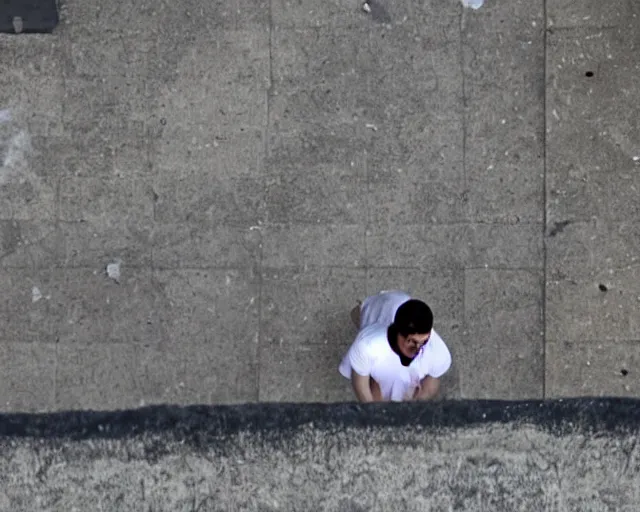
256, 167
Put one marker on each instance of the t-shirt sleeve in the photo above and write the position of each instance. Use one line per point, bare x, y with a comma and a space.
438, 358
360, 359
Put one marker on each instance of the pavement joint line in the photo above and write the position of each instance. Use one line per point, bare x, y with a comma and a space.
544, 206
267, 133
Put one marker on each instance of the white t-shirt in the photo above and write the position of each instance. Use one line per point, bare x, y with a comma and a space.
371, 354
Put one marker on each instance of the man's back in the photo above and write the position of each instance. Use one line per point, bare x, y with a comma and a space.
381, 308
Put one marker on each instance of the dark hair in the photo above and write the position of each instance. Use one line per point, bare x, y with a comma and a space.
413, 317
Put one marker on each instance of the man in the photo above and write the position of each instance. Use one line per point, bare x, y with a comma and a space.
396, 355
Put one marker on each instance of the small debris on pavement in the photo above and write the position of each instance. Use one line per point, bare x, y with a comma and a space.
473, 4
113, 270
36, 295
377, 11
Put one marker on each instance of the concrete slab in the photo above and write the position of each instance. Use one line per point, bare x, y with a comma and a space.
96, 373
210, 149
592, 295
503, 59
592, 292
306, 331
601, 306
200, 196
119, 99
414, 76
29, 245
226, 300
312, 144
418, 245
503, 353
27, 193
220, 79
28, 376
400, 201
586, 368
591, 13
31, 82
181, 373
331, 102
397, 142
306, 245
205, 244
81, 305
190, 17
514, 246
321, 195
87, 243
309, 306
91, 199
591, 97
315, 52
303, 372
286, 13
456, 246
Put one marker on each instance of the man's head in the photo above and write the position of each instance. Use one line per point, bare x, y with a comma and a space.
412, 327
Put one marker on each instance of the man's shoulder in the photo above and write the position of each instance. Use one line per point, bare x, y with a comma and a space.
386, 298
435, 351
372, 338
381, 308
435, 337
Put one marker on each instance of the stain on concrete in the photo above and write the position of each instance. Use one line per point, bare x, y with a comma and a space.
558, 227
10, 237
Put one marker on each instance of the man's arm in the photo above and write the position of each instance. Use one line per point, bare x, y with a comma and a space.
428, 389
362, 387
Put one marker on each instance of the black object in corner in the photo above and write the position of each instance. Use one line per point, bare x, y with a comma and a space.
28, 16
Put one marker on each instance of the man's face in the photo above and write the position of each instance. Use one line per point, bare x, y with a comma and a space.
411, 345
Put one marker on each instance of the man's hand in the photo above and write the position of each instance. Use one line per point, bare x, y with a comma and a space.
428, 389
366, 389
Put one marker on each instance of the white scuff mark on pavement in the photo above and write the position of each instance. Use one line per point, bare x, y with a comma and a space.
593, 36
18, 144
113, 270
15, 148
14, 157
473, 4
36, 294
